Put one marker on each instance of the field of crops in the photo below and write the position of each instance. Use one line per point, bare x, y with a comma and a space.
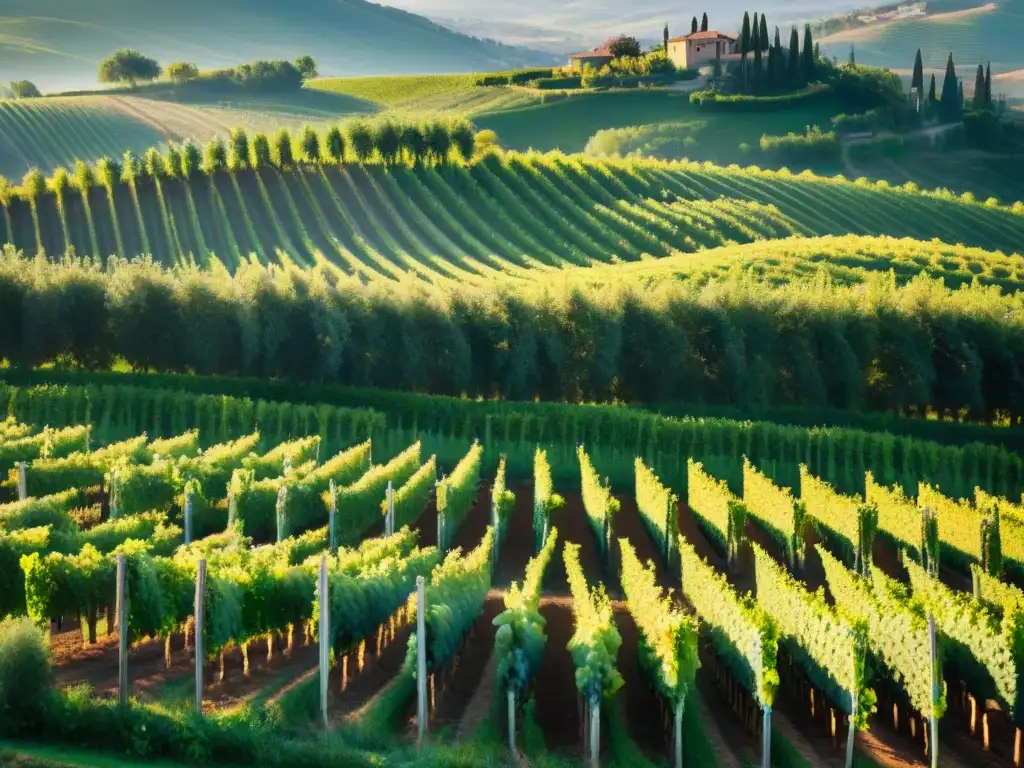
504, 214
259, 507
426, 94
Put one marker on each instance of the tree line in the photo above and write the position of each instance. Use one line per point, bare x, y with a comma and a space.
768, 67
736, 341
388, 141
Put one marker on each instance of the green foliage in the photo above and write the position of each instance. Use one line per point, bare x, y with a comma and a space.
897, 630
361, 139
181, 72
831, 652
128, 66
722, 514
545, 500
261, 154
51, 510
513, 77
283, 153
276, 462
456, 494
84, 470
600, 505
333, 148
776, 511
453, 600
306, 67
239, 157
49, 443
744, 636
414, 495
215, 156
503, 501
26, 678
309, 145
520, 640
626, 46
358, 504
986, 650
23, 89
847, 522
668, 644
595, 644
812, 148
191, 159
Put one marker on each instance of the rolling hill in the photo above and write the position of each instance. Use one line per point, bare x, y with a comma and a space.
58, 44
502, 215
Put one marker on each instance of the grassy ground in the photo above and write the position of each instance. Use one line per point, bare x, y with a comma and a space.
25, 755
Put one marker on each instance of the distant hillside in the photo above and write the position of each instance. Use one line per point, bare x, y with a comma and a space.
58, 43
990, 32
561, 24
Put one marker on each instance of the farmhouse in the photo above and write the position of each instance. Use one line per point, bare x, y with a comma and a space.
598, 57
700, 48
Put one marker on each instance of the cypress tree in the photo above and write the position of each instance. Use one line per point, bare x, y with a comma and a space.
949, 106
932, 98
793, 69
776, 63
758, 79
808, 62
745, 34
666, 41
765, 42
960, 95
853, 57
704, 23
979, 89
693, 26
918, 80
988, 85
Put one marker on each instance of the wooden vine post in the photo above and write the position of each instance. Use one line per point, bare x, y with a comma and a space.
325, 639
441, 496
677, 731
595, 734
852, 733
389, 520
332, 539
281, 508
200, 596
933, 742
511, 723
188, 516
22, 482
122, 630
421, 662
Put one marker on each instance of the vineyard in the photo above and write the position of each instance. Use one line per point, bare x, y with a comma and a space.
146, 530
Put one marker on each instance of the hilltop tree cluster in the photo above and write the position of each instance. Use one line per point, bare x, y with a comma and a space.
131, 67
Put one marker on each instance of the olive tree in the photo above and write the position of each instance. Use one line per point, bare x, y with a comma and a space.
128, 66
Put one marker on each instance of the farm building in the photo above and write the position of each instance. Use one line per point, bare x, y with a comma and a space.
700, 48
598, 57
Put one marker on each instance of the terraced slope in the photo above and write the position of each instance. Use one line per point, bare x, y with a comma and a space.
501, 214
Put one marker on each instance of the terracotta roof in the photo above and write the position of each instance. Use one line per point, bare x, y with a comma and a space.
605, 49
709, 35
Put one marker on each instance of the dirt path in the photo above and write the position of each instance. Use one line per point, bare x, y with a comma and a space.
555, 686
572, 525
628, 524
517, 545
644, 716
152, 681
466, 681
363, 685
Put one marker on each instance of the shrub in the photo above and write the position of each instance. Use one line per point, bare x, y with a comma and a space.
267, 75
559, 83
33, 184
130, 167
873, 120
83, 179
741, 102
239, 159
334, 145
463, 139
59, 182
309, 145
261, 155
414, 142
108, 172
182, 71
172, 162
191, 159
153, 162
388, 140
486, 142
360, 138
439, 141
26, 680
215, 156
284, 157
810, 147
